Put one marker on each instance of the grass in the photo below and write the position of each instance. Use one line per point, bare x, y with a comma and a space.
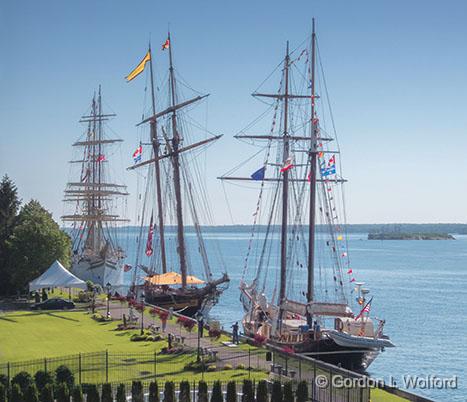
379, 395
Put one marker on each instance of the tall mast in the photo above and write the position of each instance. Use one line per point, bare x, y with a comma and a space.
176, 176
285, 187
92, 210
313, 154
155, 146
99, 165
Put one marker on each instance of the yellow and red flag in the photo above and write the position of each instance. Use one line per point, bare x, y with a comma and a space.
139, 68
166, 44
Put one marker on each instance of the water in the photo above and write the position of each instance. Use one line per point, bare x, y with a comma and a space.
419, 287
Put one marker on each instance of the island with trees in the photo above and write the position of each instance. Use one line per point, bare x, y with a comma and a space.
409, 236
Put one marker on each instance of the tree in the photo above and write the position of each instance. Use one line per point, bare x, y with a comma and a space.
92, 394
302, 391
46, 394
216, 395
262, 391
231, 395
202, 391
107, 393
9, 204
23, 379
276, 394
64, 374
121, 393
36, 242
154, 392
137, 394
2, 393
16, 394
185, 395
31, 394
288, 395
77, 394
63, 393
41, 378
248, 391
169, 391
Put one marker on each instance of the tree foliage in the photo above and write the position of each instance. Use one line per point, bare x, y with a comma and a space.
248, 391
276, 394
41, 378
77, 394
46, 394
231, 395
262, 391
137, 394
202, 391
2, 393
35, 243
302, 391
107, 393
288, 395
216, 395
63, 393
185, 395
16, 394
169, 391
121, 393
31, 394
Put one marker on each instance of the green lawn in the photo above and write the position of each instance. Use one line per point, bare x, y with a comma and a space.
379, 395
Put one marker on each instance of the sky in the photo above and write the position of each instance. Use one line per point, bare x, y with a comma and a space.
396, 73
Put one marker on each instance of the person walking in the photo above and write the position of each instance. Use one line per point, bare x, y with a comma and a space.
235, 333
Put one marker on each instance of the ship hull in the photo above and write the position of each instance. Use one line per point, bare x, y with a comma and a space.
100, 272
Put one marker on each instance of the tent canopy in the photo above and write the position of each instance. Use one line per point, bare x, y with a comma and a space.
56, 276
172, 278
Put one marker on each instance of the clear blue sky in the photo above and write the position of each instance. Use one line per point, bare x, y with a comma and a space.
396, 70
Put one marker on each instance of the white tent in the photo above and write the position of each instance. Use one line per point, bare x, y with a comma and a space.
56, 276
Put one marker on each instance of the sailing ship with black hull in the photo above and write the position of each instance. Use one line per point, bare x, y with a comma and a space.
95, 200
174, 195
299, 219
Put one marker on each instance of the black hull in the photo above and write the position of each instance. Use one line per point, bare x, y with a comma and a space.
328, 351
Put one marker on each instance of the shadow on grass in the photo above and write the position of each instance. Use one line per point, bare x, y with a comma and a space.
7, 319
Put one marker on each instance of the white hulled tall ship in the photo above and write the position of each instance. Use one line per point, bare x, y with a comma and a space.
297, 286
94, 198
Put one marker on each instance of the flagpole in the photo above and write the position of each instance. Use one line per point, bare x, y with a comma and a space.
155, 147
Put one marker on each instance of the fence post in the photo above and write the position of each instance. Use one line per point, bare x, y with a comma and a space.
106, 365
286, 365
194, 391
249, 363
155, 365
361, 394
300, 368
8, 371
313, 384
79, 367
45, 364
330, 384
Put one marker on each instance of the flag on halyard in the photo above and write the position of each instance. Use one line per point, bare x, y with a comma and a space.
127, 268
288, 164
166, 44
259, 174
349, 271
101, 158
139, 68
365, 309
149, 241
137, 154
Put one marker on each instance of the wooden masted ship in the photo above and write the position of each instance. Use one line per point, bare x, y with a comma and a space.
93, 196
173, 196
299, 296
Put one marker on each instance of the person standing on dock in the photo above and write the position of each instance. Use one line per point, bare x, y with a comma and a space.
235, 333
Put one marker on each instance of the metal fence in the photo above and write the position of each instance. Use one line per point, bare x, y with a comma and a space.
115, 368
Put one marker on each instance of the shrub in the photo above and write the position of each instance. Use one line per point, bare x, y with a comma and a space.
259, 340
302, 391
262, 391
77, 394
169, 392
202, 391
276, 395
4, 380
31, 394
214, 333
107, 393
64, 374
62, 393
121, 393
240, 366
154, 392
41, 378
46, 394
288, 395
216, 395
92, 393
23, 380
211, 367
231, 395
2, 393
184, 392
228, 367
137, 391
248, 391
16, 394
186, 322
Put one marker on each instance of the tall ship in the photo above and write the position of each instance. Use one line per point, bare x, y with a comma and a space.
298, 289
172, 267
94, 199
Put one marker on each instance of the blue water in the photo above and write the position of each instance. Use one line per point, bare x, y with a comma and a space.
419, 287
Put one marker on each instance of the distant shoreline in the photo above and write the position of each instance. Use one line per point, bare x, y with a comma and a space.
410, 236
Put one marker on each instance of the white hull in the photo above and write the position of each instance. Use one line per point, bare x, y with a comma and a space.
100, 272
364, 342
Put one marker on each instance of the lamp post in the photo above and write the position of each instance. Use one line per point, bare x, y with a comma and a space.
199, 318
108, 287
142, 313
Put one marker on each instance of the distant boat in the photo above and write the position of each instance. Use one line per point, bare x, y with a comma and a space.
172, 195
96, 255
301, 187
